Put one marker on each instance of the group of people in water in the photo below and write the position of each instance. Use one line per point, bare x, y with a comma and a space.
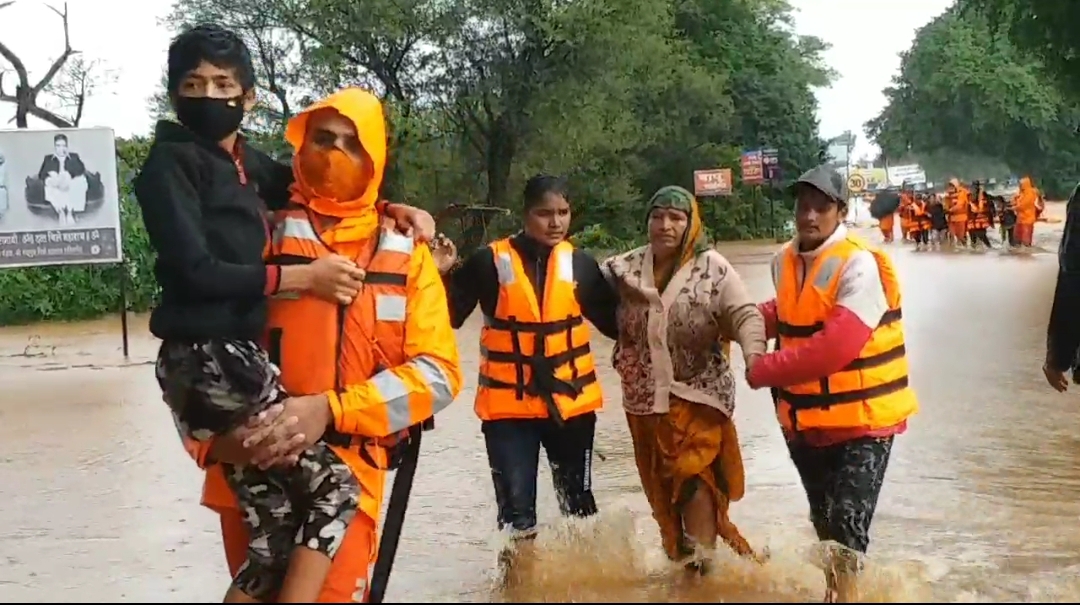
962, 216
307, 331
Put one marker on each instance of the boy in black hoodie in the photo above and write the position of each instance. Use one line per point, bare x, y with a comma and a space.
205, 196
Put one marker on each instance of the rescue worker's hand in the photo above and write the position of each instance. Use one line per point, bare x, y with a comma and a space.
1056, 378
265, 434
414, 222
336, 279
309, 416
445, 253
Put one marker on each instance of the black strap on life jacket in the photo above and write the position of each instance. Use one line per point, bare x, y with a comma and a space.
542, 383
395, 515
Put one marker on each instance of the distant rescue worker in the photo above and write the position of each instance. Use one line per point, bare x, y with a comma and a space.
957, 200
1028, 205
907, 200
887, 225
920, 221
939, 220
839, 375
980, 217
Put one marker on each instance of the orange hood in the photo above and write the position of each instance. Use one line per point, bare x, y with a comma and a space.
365, 111
1025, 183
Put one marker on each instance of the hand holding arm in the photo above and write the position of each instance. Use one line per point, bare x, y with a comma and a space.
859, 308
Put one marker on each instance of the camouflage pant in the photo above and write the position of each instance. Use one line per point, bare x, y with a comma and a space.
309, 505
214, 387
842, 484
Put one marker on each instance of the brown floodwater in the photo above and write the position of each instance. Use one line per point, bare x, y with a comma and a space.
980, 504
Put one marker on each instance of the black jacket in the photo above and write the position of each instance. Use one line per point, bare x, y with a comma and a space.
208, 226
477, 281
1063, 331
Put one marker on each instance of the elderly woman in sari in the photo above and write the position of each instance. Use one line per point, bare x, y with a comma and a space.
680, 301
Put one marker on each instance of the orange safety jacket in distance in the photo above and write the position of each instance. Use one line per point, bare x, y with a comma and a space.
979, 213
957, 204
536, 361
871, 392
387, 361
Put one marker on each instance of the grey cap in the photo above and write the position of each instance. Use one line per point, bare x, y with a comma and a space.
825, 180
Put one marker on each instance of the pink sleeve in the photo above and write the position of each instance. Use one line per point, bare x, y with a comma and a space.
825, 353
768, 311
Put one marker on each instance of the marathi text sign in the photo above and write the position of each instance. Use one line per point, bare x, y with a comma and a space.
58, 247
712, 182
59, 199
752, 169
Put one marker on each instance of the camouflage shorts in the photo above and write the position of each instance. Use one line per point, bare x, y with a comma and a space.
842, 484
309, 505
214, 387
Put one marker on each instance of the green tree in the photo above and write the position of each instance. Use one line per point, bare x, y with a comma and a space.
967, 94
1040, 28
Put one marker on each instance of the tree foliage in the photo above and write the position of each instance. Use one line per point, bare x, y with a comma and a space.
1044, 30
968, 102
69, 80
622, 96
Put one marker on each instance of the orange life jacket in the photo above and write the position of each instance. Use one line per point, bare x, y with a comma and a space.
872, 392
978, 213
322, 346
957, 205
561, 378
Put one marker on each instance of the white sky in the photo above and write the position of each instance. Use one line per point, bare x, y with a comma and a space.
866, 37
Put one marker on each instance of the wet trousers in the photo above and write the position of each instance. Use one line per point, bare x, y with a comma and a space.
978, 236
842, 484
1025, 233
513, 448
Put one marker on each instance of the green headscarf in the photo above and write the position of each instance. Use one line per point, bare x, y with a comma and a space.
694, 241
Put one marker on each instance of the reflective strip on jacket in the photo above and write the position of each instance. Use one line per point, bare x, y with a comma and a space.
387, 361
871, 392
536, 361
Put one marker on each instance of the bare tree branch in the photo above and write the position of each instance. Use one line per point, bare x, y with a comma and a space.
77, 81
58, 64
25, 97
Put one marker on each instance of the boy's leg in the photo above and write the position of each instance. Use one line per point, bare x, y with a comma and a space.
335, 500
267, 510
234, 538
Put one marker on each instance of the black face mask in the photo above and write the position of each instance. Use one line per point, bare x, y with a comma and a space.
210, 118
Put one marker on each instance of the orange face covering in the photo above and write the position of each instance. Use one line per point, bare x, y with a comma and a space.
332, 183
333, 174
